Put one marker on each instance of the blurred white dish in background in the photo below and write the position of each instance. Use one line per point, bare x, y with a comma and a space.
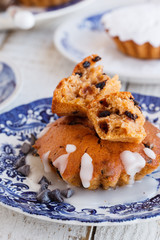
85, 35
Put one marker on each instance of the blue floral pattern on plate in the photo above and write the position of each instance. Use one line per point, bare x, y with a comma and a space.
93, 22
7, 81
16, 126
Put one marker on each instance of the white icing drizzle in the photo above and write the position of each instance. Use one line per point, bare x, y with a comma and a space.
133, 162
47, 167
149, 153
140, 23
44, 131
158, 134
70, 148
86, 170
61, 161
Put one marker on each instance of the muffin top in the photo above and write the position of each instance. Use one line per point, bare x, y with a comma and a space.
140, 23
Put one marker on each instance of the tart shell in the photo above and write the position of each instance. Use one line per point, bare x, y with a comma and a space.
144, 51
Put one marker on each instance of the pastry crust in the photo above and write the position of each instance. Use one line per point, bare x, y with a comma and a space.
108, 170
117, 117
144, 51
73, 94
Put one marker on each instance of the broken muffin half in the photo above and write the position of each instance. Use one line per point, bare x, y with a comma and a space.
117, 117
73, 94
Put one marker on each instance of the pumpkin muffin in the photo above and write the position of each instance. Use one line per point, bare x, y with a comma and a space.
104, 140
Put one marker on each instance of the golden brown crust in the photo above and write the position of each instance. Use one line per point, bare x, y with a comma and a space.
144, 51
91, 59
73, 94
108, 168
42, 3
117, 117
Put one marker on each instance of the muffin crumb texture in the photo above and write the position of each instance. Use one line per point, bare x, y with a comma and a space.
117, 118
73, 94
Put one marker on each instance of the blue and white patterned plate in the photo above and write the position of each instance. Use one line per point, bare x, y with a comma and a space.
85, 35
16, 127
9, 83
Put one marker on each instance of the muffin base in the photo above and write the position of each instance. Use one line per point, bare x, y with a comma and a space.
144, 51
108, 170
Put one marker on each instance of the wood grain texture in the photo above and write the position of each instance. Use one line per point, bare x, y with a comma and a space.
142, 231
16, 226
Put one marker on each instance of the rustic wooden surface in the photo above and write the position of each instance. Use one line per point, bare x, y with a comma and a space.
41, 66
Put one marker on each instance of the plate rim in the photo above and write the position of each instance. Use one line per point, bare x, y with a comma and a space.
77, 222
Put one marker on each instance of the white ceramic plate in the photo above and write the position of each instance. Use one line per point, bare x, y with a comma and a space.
80, 37
124, 205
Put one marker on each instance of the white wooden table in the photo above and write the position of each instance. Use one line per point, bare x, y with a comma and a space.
41, 66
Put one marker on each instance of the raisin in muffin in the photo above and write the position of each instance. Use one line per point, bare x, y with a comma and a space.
117, 117
73, 94
137, 34
106, 166
42, 3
